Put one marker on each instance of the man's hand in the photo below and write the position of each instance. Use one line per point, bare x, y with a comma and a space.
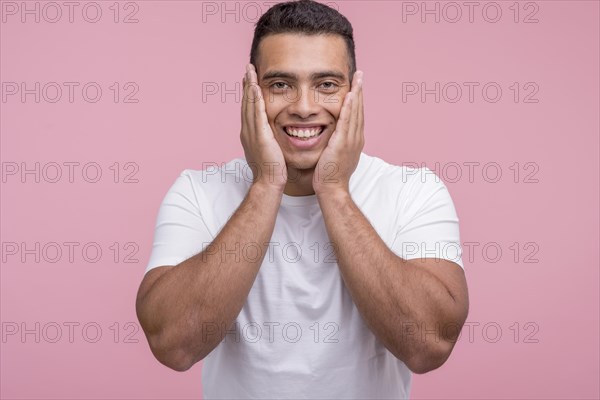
340, 158
262, 151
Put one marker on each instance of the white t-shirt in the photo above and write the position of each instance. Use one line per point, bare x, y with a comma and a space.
299, 334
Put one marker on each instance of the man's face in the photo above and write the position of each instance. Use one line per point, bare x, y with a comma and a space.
304, 80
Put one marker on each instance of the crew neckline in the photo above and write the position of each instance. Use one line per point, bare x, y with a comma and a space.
312, 199
299, 200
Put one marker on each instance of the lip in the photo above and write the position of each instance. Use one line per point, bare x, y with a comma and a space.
304, 144
305, 126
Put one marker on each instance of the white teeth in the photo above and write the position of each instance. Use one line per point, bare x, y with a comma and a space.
304, 133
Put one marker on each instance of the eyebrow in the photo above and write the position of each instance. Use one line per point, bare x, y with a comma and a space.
313, 76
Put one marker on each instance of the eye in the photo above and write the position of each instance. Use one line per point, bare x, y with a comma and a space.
279, 85
329, 86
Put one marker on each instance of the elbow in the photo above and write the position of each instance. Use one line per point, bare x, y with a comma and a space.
171, 348
176, 364
175, 360
165, 344
422, 366
435, 353
174, 357
427, 361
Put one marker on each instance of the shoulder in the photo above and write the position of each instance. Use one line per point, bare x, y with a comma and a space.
212, 188
375, 174
224, 173
233, 176
402, 190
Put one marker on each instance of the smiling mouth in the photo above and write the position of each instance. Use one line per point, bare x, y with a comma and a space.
304, 133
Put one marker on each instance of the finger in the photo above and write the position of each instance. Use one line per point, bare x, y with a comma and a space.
361, 114
353, 128
243, 108
247, 93
251, 105
248, 109
343, 124
260, 113
253, 102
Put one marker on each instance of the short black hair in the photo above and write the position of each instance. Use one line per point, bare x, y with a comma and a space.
305, 17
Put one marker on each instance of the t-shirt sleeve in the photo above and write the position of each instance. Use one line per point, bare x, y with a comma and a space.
180, 231
428, 225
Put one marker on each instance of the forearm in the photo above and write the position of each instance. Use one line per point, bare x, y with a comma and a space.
189, 308
401, 303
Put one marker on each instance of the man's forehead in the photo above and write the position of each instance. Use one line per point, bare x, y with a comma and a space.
297, 56
273, 73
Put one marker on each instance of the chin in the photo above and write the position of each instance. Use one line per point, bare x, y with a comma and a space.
302, 161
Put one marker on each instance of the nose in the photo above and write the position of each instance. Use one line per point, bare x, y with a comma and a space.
302, 103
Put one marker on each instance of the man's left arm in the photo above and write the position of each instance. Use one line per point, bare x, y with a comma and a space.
416, 308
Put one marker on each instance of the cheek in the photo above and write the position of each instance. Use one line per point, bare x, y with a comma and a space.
271, 113
334, 107
272, 106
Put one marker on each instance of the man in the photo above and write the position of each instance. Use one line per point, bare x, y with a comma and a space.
292, 284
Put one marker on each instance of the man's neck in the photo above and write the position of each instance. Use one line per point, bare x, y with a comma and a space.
300, 182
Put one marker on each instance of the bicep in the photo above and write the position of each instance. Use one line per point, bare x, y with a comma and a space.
452, 277
180, 231
428, 237
428, 224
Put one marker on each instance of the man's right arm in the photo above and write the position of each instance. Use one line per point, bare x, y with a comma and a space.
180, 306
177, 305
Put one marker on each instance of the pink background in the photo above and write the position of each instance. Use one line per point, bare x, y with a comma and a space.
171, 52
